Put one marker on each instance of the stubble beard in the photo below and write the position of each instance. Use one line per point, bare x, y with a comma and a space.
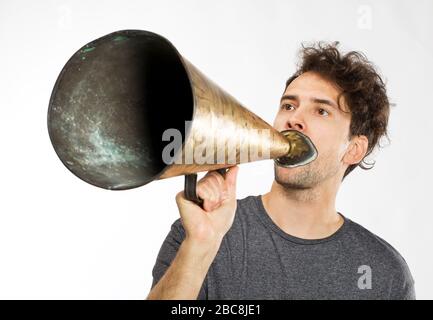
304, 177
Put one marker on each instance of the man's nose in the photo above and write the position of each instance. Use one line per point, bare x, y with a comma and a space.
296, 122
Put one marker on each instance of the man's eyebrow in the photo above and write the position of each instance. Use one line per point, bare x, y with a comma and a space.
315, 100
289, 97
324, 101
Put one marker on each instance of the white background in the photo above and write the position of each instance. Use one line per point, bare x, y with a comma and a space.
62, 238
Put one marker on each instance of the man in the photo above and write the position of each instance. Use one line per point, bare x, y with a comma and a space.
291, 243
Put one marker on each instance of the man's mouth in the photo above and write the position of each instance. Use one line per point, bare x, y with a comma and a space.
302, 150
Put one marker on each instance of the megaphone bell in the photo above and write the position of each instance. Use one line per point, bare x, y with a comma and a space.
117, 96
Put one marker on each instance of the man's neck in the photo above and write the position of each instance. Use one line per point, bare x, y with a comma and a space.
304, 213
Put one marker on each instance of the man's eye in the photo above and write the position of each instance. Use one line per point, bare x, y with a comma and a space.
323, 112
287, 106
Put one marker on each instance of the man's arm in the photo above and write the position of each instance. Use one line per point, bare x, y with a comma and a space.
184, 278
204, 230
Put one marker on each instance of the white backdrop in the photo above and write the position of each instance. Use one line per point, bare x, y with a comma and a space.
62, 238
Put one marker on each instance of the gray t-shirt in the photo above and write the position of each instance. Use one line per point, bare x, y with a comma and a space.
258, 260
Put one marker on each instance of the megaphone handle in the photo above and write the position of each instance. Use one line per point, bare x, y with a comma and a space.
191, 186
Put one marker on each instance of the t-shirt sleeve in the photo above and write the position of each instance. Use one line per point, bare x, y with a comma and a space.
403, 284
168, 252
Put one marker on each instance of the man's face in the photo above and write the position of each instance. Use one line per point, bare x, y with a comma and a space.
309, 105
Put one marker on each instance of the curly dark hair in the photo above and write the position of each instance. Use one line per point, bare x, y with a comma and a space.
360, 85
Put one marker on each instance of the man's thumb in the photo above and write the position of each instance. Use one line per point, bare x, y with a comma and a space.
231, 177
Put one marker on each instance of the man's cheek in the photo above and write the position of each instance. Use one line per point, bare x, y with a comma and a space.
278, 127
279, 124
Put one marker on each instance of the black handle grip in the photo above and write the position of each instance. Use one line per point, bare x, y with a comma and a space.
191, 187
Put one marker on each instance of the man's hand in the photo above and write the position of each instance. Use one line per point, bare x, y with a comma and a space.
204, 230
210, 224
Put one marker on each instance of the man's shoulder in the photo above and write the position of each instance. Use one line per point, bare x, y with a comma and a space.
247, 202
369, 238
372, 244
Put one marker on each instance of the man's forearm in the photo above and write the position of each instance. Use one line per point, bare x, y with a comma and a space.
184, 278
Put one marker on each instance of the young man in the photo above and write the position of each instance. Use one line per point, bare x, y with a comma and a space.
291, 243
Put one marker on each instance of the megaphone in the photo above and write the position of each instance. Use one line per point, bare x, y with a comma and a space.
121, 97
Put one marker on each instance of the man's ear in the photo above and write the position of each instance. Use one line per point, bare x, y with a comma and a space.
356, 150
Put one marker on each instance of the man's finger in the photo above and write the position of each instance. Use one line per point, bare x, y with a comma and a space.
231, 177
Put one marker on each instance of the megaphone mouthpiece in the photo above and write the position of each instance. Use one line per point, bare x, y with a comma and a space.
302, 150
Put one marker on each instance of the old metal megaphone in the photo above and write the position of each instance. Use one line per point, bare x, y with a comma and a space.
118, 96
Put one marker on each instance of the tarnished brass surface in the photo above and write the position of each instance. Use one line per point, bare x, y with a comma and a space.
220, 118
118, 94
